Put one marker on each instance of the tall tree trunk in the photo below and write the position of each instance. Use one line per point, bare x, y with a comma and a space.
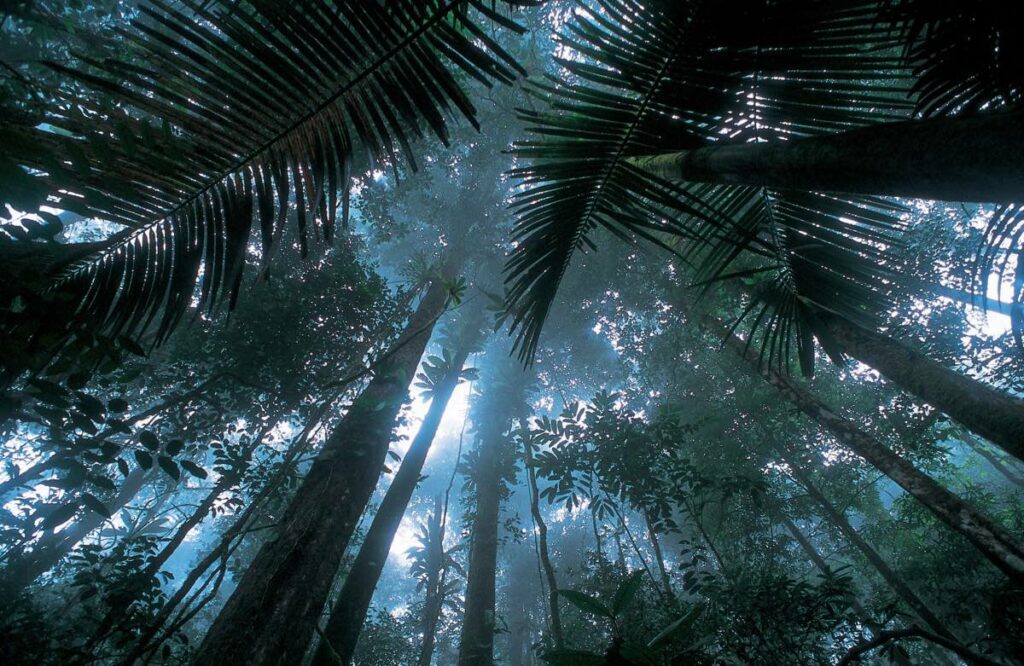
636, 548
223, 548
983, 410
806, 545
991, 539
24, 568
900, 656
656, 545
476, 644
892, 579
621, 561
518, 638
434, 600
542, 541
349, 612
992, 459
973, 158
273, 612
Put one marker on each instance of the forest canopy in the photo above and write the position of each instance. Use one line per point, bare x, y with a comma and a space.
567, 332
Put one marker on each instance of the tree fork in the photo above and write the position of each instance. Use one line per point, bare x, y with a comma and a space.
974, 158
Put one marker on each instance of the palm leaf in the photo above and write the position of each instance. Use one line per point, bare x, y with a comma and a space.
578, 178
235, 114
656, 76
965, 54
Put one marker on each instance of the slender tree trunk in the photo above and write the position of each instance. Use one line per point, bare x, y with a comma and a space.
991, 539
636, 548
24, 568
434, 600
476, 645
656, 545
900, 656
542, 542
974, 158
805, 545
223, 547
983, 410
622, 555
349, 612
273, 612
432, 617
892, 579
818, 561
992, 459
123, 602
30, 473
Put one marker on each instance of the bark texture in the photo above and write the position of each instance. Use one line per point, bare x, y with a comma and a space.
974, 158
983, 410
349, 611
991, 539
272, 614
476, 645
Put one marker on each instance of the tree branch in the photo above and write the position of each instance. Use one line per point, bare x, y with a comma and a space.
883, 637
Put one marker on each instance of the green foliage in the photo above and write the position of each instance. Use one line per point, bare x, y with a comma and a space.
384, 641
142, 471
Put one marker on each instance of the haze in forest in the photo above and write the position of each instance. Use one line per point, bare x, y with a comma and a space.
519, 332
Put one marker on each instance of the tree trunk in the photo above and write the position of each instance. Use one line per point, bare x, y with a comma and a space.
30, 473
223, 547
1000, 466
973, 158
122, 602
621, 561
981, 409
476, 645
24, 568
32, 335
542, 538
271, 616
349, 612
636, 548
656, 545
991, 539
806, 545
892, 579
434, 600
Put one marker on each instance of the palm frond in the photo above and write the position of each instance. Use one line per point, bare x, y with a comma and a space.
579, 178
965, 55
656, 76
236, 113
